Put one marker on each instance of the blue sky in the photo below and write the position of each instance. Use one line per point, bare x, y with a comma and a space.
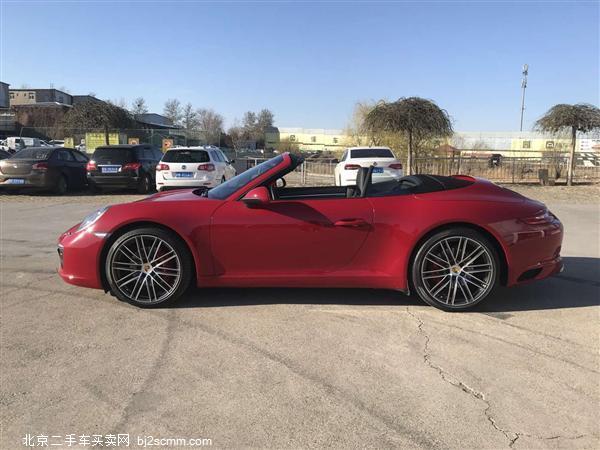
310, 62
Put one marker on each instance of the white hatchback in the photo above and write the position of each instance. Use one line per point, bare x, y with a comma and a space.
188, 167
385, 165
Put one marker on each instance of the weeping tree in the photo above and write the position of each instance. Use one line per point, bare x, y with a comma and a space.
94, 115
416, 119
563, 118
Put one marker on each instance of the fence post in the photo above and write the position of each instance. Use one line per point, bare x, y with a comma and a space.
513, 169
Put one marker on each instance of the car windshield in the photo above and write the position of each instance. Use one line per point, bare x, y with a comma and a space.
224, 190
186, 156
32, 153
372, 153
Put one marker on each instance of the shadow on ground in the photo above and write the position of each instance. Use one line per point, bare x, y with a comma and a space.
577, 286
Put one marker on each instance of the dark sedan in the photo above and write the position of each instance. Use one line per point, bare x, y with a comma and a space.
53, 169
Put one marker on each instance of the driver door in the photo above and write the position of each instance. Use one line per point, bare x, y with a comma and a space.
288, 237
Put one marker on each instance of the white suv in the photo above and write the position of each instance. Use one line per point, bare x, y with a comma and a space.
386, 166
188, 167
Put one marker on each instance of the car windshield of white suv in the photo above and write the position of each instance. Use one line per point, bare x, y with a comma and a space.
371, 153
186, 156
224, 190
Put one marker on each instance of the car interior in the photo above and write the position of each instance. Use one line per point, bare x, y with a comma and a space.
412, 184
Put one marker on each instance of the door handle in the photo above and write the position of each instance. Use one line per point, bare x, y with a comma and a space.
354, 223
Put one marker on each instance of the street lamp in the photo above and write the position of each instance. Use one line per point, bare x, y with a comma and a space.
523, 86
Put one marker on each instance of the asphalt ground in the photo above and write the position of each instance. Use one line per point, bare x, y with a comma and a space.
290, 368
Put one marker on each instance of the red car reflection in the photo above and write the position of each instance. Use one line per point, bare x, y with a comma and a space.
450, 240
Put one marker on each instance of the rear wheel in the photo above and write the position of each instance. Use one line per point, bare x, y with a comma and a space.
144, 186
148, 267
455, 269
61, 186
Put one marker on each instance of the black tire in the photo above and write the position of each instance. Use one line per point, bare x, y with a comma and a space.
112, 272
462, 281
144, 186
61, 186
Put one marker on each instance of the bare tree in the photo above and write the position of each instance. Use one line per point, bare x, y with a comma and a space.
138, 106
172, 110
211, 123
189, 118
418, 119
119, 103
563, 118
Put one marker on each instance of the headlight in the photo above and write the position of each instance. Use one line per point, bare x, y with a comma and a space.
92, 218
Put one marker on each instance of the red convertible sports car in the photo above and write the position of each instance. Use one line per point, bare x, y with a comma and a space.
450, 240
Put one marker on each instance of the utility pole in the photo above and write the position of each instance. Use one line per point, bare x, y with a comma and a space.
523, 87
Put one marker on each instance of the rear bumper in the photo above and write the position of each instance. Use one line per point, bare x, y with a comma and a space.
205, 181
79, 258
39, 181
122, 181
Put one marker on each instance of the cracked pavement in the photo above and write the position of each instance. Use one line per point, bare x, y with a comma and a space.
289, 368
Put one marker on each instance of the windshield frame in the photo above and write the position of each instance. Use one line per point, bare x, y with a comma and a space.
283, 164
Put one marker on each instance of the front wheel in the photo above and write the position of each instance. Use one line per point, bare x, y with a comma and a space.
455, 269
148, 267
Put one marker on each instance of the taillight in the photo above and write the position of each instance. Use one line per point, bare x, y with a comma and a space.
396, 166
42, 167
132, 166
162, 167
351, 167
91, 165
544, 218
208, 167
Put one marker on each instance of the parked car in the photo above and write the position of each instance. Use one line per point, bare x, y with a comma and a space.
182, 167
4, 154
55, 169
56, 143
451, 244
124, 166
16, 143
386, 166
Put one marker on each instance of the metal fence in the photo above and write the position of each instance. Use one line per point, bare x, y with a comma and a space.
505, 170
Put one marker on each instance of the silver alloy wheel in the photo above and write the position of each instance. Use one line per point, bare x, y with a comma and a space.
457, 271
146, 269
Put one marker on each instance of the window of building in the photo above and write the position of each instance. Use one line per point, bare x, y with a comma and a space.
60, 99
12, 95
313, 139
526, 144
32, 96
549, 144
335, 140
292, 138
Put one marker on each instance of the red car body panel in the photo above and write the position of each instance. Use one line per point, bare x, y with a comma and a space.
328, 242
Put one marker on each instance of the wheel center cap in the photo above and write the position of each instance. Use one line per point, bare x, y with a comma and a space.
146, 268
455, 270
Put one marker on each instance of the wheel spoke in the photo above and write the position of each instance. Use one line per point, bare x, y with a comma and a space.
439, 289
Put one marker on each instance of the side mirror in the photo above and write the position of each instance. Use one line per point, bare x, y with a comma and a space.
231, 161
280, 183
257, 197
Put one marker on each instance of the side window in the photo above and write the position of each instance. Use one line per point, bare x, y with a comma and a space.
223, 156
64, 155
215, 156
79, 157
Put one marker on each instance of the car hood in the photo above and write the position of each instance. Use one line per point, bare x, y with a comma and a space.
173, 196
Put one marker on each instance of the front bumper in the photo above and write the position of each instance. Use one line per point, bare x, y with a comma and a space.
79, 257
